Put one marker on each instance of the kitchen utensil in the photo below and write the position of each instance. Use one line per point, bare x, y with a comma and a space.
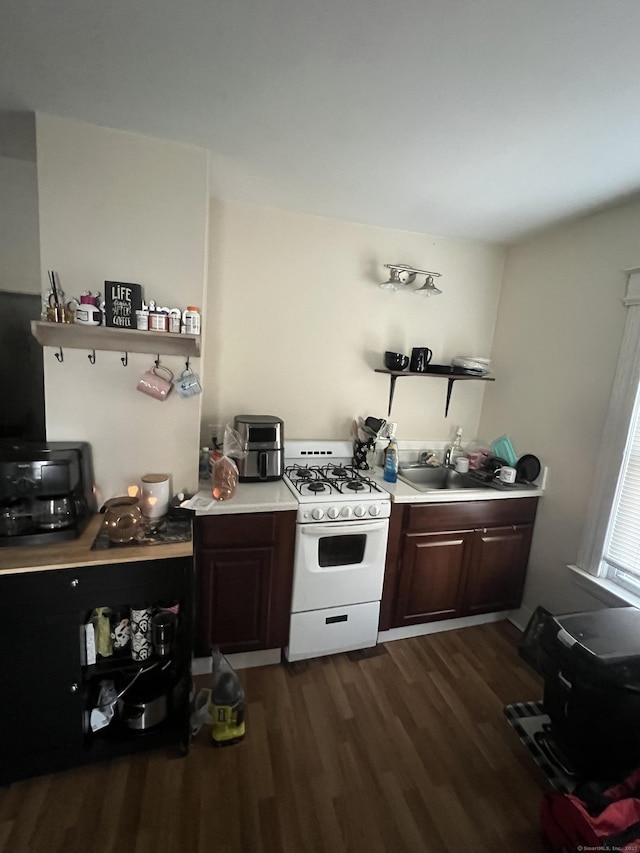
503, 448
396, 361
376, 425
141, 616
54, 513
449, 369
163, 627
261, 447
140, 714
420, 358
120, 630
187, 384
155, 384
15, 517
528, 467
478, 365
506, 474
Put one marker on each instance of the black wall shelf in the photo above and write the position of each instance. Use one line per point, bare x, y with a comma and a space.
451, 378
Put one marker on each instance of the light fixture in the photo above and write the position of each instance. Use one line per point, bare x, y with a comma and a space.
428, 288
401, 276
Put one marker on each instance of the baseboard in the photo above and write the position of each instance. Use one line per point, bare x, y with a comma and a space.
268, 657
437, 627
241, 660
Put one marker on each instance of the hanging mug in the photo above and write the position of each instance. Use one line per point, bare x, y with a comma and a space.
155, 384
188, 384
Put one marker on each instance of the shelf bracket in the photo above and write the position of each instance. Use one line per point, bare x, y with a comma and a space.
449, 390
392, 391
59, 355
125, 359
92, 357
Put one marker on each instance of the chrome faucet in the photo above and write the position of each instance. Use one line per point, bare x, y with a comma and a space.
447, 456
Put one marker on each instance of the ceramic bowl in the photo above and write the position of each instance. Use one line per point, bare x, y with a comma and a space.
396, 361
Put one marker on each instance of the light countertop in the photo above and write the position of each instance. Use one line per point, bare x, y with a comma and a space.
403, 493
77, 552
272, 496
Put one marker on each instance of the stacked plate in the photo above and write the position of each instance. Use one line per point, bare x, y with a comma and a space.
481, 366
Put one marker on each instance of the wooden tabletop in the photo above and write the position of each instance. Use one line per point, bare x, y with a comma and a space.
77, 552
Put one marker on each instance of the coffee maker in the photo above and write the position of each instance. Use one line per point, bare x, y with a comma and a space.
262, 438
46, 491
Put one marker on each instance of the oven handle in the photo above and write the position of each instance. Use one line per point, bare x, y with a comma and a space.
349, 527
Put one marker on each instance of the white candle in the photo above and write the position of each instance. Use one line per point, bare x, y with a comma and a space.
155, 495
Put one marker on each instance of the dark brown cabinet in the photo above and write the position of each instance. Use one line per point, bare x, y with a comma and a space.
447, 560
244, 568
432, 576
497, 569
49, 690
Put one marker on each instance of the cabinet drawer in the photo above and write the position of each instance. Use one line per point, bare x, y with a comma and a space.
67, 590
470, 515
243, 529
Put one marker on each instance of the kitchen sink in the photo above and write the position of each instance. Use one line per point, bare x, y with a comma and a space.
427, 478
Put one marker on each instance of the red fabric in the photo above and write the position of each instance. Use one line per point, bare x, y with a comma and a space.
567, 824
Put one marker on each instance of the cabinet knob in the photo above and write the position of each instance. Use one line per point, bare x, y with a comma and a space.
75, 582
74, 688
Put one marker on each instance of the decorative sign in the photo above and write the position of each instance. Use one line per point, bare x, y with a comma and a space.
121, 301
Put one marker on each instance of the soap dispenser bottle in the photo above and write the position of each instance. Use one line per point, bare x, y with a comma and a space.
455, 449
390, 474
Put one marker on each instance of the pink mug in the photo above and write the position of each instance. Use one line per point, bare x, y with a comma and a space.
154, 384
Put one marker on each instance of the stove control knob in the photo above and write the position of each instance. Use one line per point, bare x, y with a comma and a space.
333, 512
317, 513
346, 512
374, 509
360, 511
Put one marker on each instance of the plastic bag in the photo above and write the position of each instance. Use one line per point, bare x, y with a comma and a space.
223, 468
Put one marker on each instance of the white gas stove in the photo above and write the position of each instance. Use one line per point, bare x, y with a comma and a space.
340, 550
328, 487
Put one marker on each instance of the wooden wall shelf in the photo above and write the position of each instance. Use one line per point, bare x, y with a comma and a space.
79, 336
451, 378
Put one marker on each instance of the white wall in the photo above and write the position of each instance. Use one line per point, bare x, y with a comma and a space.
558, 333
122, 207
19, 239
301, 322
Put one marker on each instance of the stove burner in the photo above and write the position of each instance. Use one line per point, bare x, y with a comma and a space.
356, 485
303, 473
338, 471
316, 486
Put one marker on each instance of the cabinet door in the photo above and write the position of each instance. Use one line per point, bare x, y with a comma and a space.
432, 576
497, 569
234, 599
42, 707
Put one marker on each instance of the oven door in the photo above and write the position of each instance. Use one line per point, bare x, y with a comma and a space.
337, 564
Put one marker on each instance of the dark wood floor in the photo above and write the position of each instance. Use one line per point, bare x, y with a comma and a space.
405, 750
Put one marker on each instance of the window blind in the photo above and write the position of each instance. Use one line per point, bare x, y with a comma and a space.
622, 545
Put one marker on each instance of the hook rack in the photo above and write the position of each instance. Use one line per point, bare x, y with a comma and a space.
59, 355
125, 359
92, 357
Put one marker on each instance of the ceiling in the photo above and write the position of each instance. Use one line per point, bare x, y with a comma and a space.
480, 119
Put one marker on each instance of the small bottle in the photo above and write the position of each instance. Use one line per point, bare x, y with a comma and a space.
191, 320
204, 469
390, 474
455, 449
